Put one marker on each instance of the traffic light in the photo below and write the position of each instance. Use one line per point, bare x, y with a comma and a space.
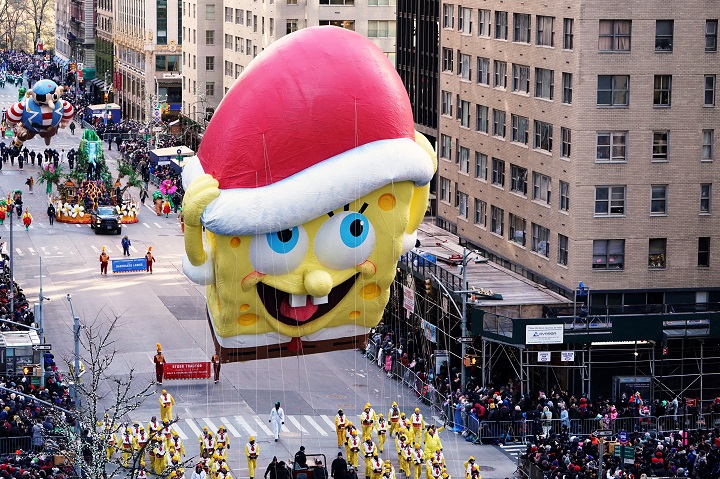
165, 108
428, 287
27, 370
106, 97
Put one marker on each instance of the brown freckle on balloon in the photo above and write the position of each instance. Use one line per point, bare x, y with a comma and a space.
386, 202
234, 242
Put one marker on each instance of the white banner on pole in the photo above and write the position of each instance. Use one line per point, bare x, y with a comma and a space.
543, 356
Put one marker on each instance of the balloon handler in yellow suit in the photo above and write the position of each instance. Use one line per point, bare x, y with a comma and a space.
166, 404
334, 182
252, 451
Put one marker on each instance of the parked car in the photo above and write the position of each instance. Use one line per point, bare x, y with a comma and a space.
105, 218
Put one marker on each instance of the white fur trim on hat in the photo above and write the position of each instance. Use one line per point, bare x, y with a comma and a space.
314, 191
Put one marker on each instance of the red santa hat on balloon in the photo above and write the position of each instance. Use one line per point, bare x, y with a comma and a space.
318, 119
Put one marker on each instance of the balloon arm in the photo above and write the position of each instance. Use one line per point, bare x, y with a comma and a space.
194, 245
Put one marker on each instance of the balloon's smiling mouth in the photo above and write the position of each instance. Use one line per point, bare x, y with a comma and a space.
278, 303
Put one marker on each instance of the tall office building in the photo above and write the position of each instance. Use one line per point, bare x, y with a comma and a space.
148, 47
577, 143
75, 34
222, 37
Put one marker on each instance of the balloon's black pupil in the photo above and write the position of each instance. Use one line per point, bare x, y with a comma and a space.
285, 235
356, 228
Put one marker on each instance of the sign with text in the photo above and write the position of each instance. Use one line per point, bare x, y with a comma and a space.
409, 299
196, 370
544, 333
130, 265
543, 356
430, 331
567, 356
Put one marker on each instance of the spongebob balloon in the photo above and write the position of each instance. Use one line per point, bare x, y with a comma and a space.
308, 186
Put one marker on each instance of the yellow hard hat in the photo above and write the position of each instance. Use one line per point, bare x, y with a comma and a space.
252, 438
417, 409
205, 428
354, 433
380, 415
417, 445
164, 391
471, 458
221, 428
367, 405
394, 403
174, 432
367, 438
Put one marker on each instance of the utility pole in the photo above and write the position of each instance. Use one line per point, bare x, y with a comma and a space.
76, 334
12, 265
463, 325
41, 321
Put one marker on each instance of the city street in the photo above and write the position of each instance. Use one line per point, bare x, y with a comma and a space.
166, 308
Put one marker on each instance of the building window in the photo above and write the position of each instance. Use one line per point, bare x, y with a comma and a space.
481, 166
465, 20
228, 14
291, 26
566, 146
564, 196
518, 180
658, 199
161, 22
464, 66
480, 213
501, 25
708, 146
210, 11
463, 208
239, 16
611, 147
210, 64
381, 28
228, 42
447, 59
498, 172
210, 88
567, 88
614, 35
520, 127
464, 159
521, 27
255, 23
500, 75
703, 258
481, 118
541, 188
563, 247
540, 243
613, 90
545, 34
292, 2
497, 220
609, 200
711, 34
448, 15
660, 148
209, 37
516, 229
568, 34
705, 198
272, 26
521, 79
609, 254
446, 107
662, 90
543, 136
544, 83
228, 68
248, 46
709, 90
664, 35
336, 2
444, 189
657, 249
248, 19
499, 123
445, 147
484, 21
483, 65
464, 113
238, 70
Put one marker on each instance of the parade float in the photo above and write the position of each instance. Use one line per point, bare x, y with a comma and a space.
90, 185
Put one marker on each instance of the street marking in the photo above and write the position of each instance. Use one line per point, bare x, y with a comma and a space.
297, 424
119, 247
192, 425
328, 421
262, 426
211, 425
157, 225
19, 251
133, 249
146, 225
180, 432
245, 425
57, 250
78, 225
32, 251
284, 428
230, 427
316, 425
95, 249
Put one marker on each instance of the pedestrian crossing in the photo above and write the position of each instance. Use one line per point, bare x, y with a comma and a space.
514, 450
44, 225
246, 426
57, 251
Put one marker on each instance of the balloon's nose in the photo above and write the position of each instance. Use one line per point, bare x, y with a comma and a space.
318, 283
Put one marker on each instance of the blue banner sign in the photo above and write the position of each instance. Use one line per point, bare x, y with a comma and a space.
128, 265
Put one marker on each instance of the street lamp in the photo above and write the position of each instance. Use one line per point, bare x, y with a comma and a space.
76, 335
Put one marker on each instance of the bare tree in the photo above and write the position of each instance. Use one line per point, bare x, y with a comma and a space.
84, 437
38, 9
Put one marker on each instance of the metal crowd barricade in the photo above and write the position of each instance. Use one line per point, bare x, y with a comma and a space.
8, 445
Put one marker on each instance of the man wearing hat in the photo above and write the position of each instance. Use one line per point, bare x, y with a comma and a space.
159, 361
104, 258
369, 450
177, 443
338, 468
367, 420
166, 404
277, 419
394, 416
149, 260
252, 451
354, 448
381, 427
340, 423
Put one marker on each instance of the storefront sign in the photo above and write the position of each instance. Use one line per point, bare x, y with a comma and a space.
197, 370
543, 334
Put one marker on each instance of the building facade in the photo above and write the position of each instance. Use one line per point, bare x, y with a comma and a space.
148, 48
240, 30
577, 144
75, 33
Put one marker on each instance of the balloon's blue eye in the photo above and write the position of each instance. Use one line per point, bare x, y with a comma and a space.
354, 230
283, 241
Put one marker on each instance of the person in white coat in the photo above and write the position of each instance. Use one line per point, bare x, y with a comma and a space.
277, 419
